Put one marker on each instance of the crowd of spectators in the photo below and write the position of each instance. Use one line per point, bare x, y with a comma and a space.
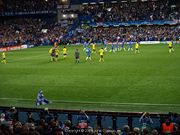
30, 31
41, 32
28, 5
133, 11
45, 31
48, 123
131, 33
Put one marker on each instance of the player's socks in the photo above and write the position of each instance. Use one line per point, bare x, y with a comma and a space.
51, 59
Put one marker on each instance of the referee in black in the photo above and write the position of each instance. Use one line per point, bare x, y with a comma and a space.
77, 56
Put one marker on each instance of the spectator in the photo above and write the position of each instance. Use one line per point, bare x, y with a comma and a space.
126, 130
146, 121
83, 120
136, 131
154, 132
168, 127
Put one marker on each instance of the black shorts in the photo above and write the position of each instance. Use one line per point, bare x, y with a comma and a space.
77, 57
137, 49
65, 54
94, 50
56, 56
170, 47
101, 56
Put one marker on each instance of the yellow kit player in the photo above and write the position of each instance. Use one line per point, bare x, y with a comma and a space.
3, 58
170, 44
101, 52
52, 53
94, 48
64, 52
56, 53
136, 47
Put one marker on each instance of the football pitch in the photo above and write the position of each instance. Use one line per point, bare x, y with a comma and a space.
148, 81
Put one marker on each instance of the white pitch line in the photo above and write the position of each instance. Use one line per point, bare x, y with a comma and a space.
105, 103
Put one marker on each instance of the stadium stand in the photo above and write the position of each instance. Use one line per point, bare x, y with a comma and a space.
151, 18
23, 121
128, 11
28, 6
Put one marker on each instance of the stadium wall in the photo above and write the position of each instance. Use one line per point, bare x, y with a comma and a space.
16, 47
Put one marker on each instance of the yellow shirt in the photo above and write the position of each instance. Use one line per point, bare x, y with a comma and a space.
93, 46
101, 51
3, 55
136, 45
170, 44
57, 52
64, 50
50, 51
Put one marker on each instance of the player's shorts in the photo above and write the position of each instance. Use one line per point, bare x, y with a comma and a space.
57, 56
94, 50
77, 58
65, 54
137, 48
101, 56
4, 58
170, 47
52, 55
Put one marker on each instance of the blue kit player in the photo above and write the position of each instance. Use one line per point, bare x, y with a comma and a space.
85, 45
122, 46
130, 46
112, 48
117, 45
105, 44
88, 53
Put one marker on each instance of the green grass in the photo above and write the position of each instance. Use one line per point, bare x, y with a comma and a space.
151, 79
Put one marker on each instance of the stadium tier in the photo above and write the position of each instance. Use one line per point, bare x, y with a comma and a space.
130, 20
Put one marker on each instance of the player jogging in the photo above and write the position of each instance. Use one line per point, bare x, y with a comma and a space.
170, 44
64, 52
137, 47
76, 54
88, 53
101, 52
3, 58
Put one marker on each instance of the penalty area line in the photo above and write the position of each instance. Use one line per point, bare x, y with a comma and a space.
95, 103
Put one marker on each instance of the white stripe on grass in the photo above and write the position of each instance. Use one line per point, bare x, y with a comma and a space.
97, 103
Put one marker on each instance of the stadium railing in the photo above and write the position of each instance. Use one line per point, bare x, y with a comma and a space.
115, 120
